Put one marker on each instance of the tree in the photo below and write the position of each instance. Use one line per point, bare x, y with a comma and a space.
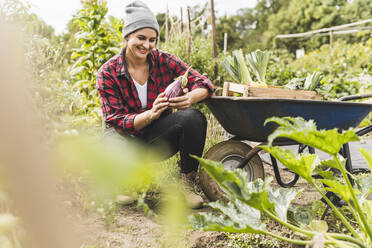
306, 15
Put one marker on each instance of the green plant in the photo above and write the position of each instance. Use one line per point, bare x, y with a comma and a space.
258, 61
249, 201
312, 81
99, 39
236, 66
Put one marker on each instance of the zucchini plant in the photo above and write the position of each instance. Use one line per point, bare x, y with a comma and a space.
250, 201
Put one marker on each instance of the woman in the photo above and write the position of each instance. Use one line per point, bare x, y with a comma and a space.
131, 88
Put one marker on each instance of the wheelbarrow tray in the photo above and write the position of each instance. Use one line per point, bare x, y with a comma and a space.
244, 117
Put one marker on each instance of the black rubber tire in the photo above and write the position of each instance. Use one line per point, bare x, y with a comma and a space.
235, 151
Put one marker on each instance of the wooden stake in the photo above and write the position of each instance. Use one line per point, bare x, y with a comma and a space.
215, 55
225, 43
188, 36
166, 25
181, 21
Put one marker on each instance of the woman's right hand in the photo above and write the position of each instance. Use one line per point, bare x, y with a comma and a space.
160, 104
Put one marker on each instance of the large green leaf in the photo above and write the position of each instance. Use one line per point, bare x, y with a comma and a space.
236, 217
235, 183
230, 181
305, 132
332, 163
301, 164
364, 185
325, 174
325, 168
256, 195
367, 156
338, 188
282, 199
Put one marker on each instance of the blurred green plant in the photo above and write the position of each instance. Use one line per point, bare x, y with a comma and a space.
201, 58
115, 167
248, 200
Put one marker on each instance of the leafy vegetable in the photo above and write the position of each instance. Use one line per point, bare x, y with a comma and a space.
257, 61
236, 66
312, 81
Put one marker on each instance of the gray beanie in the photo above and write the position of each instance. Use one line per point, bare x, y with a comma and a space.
138, 15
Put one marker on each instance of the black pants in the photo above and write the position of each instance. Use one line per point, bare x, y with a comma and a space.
183, 131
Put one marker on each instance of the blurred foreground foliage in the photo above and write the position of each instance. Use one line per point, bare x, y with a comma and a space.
61, 72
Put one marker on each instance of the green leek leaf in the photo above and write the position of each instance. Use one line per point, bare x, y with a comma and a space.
258, 61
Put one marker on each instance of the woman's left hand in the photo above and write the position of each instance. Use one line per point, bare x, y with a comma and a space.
181, 102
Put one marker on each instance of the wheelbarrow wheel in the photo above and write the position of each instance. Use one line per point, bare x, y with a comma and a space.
230, 153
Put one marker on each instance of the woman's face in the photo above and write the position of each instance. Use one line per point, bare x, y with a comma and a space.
141, 42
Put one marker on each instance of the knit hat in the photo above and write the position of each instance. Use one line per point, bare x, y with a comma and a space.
137, 16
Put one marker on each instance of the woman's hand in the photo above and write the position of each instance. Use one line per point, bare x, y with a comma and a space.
160, 104
181, 102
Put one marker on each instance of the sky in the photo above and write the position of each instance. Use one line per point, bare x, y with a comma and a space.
57, 13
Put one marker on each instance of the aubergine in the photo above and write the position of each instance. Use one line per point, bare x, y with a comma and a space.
175, 89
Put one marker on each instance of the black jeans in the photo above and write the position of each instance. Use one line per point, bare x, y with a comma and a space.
183, 131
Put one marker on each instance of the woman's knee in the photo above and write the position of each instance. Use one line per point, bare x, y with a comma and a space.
193, 117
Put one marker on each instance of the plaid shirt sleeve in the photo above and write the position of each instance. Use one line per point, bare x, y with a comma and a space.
195, 79
115, 111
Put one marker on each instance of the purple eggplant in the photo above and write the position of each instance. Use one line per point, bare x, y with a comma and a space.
176, 88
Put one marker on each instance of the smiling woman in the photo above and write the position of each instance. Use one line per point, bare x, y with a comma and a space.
131, 87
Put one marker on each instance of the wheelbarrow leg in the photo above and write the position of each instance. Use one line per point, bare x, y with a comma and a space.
345, 152
278, 177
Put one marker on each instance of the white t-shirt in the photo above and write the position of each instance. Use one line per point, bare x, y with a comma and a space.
142, 93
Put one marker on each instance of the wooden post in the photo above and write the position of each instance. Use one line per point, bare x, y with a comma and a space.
166, 25
181, 21
331, 38
188, 36
214, 40
225, 43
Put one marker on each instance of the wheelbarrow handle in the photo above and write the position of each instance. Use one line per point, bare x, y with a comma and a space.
355, 97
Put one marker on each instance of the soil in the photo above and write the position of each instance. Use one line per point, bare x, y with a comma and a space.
131, 228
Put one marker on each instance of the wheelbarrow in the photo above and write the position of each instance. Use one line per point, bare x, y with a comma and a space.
244, 117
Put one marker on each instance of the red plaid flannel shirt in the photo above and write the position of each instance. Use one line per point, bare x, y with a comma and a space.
118, 95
